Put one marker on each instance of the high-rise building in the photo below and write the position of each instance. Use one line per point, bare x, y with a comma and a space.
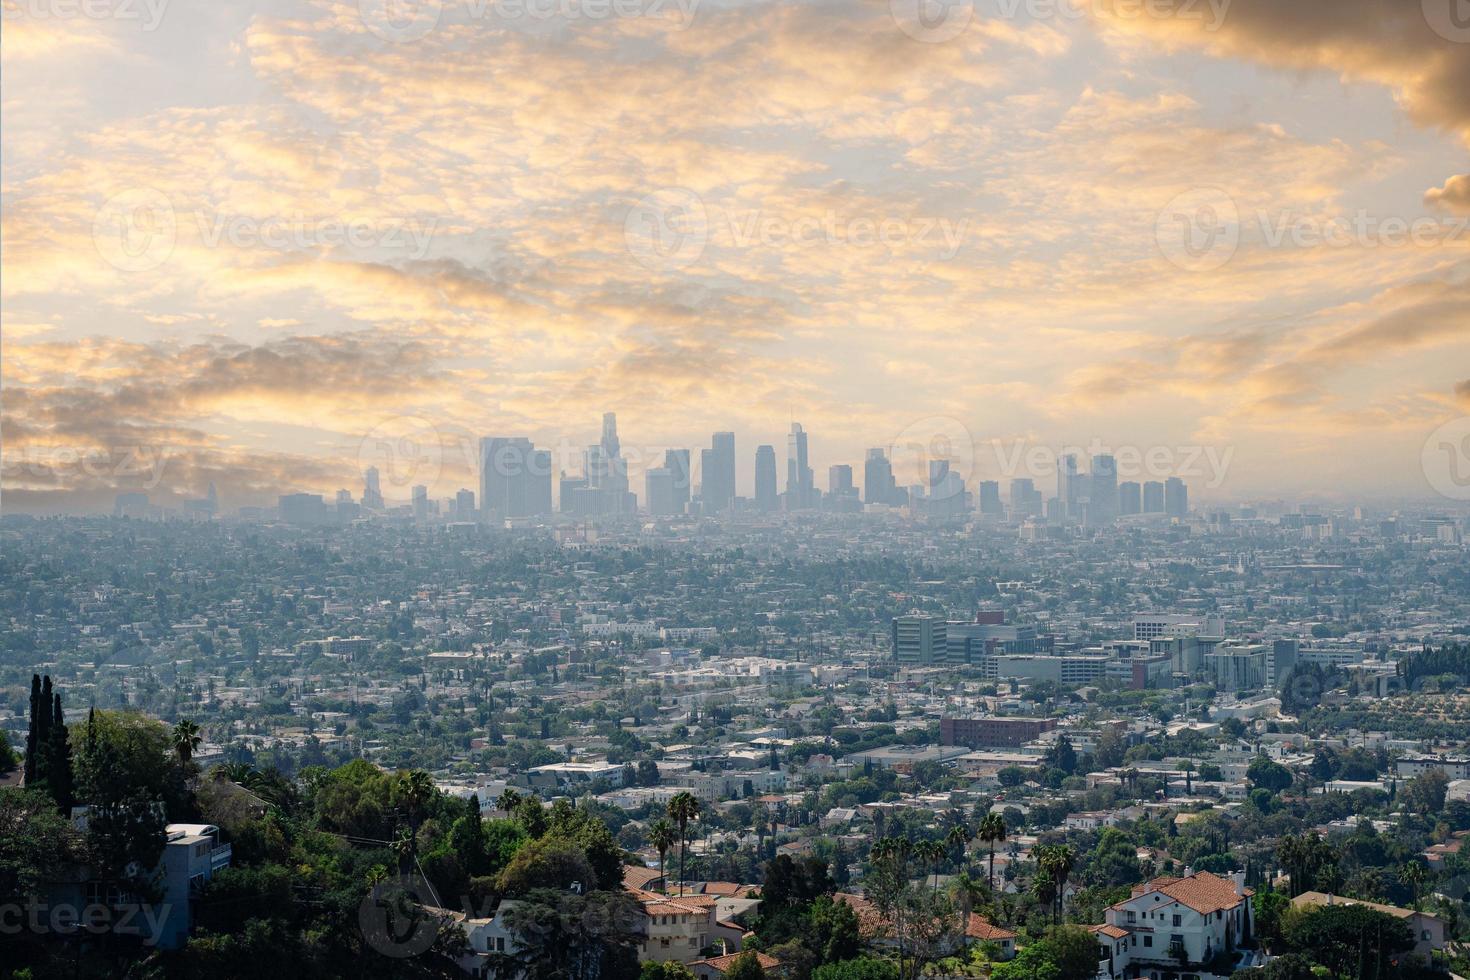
1153, 497
1025, 498
302, 508
420, 502
464, 504
767, 498
372, 491
919, 639
1130, 499
515, 479
606, 473
1176, 497
879, 486
990, 499
1102, 498
658, 491
946, 497
676, 461
839, 478
800, 481
1069, 486
717, 474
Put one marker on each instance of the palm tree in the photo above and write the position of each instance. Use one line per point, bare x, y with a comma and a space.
1057, 862
1189, 777
958, 839
186, 739
683, 808
931, 852
507, 800
992, 830
663, 836
966, 892
1413, 874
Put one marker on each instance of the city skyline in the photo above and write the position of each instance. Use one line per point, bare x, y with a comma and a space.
248, 237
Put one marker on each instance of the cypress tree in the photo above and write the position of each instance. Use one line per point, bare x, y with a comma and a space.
31, 742
59, 760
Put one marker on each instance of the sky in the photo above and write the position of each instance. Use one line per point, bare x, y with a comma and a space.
268, 244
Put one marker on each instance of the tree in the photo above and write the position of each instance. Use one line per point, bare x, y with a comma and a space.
1066, 953
745, 966
1011, 776
570, 937
648, 773
663, 836
671, 970
1413, 873
992, 831
1266, 774
507, 800
1350, 940
1426, 793
546, 863
1056, 862
59, 776
682, 808
186, 739
864, 968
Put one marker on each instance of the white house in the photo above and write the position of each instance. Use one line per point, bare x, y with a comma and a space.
1171, 925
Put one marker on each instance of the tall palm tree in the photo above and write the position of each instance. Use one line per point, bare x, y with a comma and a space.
662, 835
932, 853
1413, 874
992, 831
1057, 862
186, 739
507, 800
958, 839
967, 893
683, 807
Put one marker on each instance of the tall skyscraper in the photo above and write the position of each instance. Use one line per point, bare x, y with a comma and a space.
839, 478
767, 498
717, 474
1153, 497
990, 504
1102, 498
1130, 498
676, 461
879, 486
658, 491
1069, 486
606, 473
1025, 498
800, 481
515, 479
372, 491
1176, 497
420, 502
464, 504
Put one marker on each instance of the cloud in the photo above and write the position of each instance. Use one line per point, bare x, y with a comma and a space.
1452, 196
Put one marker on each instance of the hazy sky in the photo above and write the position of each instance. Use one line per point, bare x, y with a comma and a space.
263, 244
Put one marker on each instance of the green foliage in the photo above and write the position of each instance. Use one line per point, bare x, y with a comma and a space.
1351, 940
864, 968
745, 966
1067, 953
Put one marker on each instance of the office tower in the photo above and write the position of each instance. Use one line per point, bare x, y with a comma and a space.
919, 639
1025, 498
302, 508
800, 481
767, 498
676, 461
842, 495
1283, 658
1130, 500
879, 487
658, 491
946, 497
1069, 486
515, 479
420, 502
344, 497
1102, 498
717, 474
567, 492
464, 504
990, 499
839, 478
1153, 497
372, 492
347, 508
606, 473
1176, 497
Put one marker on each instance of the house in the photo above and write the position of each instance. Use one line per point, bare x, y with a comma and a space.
681, 927
487, 939
1173, 923
878, 931
714, 968
1428, 928
977, 930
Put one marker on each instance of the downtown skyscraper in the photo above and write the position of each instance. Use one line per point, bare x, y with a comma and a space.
767, 497
717, 474
800, 481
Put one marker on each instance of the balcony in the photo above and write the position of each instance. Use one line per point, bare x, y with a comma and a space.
220, 857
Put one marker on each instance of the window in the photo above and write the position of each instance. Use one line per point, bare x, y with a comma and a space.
1132, 916
1148, 941
1178, 920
